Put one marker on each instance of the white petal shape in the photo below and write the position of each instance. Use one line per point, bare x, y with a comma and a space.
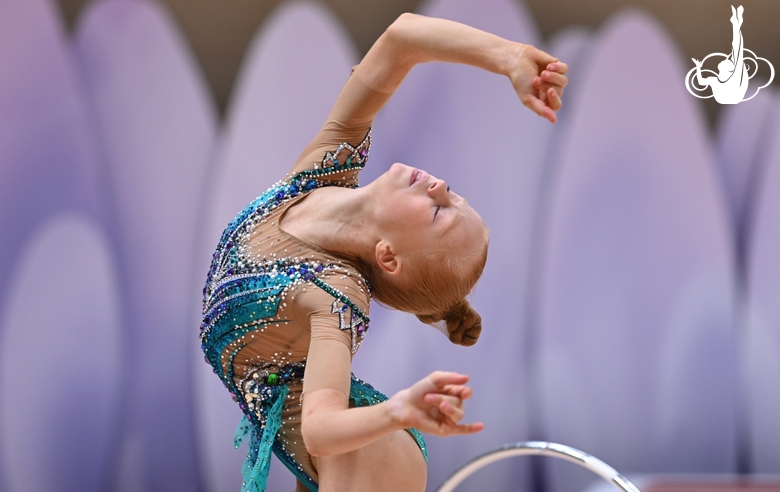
48, 165
292, 74
762, 334
571, 46
158, 125
508, 19
60, 361
636, 340
743, 134
468, 127
48, 158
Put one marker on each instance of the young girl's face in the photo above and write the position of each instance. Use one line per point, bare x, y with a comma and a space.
416, 211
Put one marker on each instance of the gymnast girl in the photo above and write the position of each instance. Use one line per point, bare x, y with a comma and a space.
730, 85
286, 300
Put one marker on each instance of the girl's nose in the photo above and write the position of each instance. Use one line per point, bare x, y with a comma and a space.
438, 190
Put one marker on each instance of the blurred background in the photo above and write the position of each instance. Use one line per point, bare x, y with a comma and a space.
631, 300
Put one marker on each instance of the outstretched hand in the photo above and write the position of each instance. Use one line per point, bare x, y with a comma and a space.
434, 405
538, 79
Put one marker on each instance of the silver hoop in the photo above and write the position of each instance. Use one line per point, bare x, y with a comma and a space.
539, 448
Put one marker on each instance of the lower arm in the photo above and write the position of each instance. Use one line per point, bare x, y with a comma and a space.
330, 432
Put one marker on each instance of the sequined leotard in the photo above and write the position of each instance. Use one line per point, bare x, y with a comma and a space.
269, 294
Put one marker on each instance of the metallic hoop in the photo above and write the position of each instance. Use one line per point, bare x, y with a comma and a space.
539, 448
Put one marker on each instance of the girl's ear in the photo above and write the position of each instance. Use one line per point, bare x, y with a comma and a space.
386, 258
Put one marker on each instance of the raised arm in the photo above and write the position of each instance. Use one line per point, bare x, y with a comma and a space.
537, 78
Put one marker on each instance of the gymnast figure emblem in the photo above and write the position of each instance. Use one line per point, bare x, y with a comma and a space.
735, 70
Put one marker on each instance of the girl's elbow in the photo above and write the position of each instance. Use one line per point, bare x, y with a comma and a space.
315, 450
310, 441
403, 20
394, 34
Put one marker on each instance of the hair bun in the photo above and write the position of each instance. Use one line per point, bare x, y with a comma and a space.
463, 323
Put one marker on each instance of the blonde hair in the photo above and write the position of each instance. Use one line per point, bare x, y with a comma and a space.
435, 289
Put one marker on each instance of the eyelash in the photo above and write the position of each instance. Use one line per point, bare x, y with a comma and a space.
437, 208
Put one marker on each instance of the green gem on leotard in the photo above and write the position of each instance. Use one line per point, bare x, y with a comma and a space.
273, 379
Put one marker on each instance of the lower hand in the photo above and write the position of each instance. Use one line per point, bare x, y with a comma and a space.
434, 405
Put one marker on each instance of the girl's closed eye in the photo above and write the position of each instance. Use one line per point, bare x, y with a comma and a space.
439, 207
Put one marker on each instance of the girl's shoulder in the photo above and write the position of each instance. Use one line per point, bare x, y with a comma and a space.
336, 160
336, 298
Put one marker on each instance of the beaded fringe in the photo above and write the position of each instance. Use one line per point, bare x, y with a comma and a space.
258, 459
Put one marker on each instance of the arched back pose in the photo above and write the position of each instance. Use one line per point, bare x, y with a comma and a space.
287, 296
730, 85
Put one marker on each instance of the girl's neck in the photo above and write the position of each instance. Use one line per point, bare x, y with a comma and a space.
335, 219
